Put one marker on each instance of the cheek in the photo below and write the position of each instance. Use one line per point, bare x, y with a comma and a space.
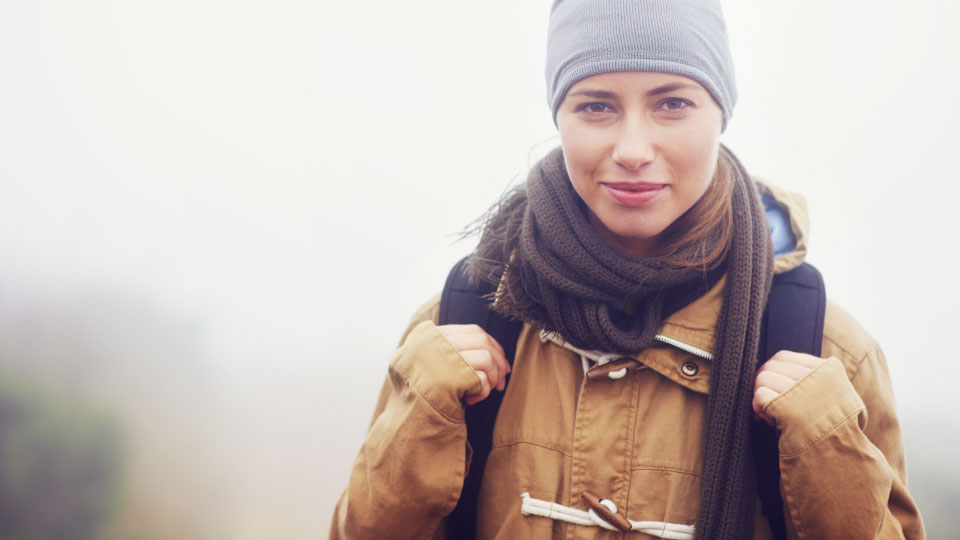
583, 152
696, 158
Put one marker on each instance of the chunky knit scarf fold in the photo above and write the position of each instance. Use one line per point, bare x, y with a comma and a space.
553, 271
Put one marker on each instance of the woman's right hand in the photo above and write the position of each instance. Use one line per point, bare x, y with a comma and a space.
482, 353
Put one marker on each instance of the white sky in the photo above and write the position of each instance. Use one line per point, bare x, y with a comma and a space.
279, 182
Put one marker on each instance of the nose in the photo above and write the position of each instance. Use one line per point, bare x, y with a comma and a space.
634, 145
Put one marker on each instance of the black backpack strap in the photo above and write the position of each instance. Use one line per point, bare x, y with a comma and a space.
461, 303
793, 321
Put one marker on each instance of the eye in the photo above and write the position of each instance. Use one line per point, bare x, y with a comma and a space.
674, 104
594, 108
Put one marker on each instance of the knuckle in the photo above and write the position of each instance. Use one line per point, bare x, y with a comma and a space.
773, 364
781, 356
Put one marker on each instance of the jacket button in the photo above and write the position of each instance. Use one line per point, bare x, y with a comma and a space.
689, 368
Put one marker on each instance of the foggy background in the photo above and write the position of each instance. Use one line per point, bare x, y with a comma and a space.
216, 219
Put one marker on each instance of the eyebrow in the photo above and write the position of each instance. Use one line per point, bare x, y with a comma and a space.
663, 89
671, 87
599, 94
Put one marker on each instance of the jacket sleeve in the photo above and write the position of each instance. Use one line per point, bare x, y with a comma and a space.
843, 473
409, 472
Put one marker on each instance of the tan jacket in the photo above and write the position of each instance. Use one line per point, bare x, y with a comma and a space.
637, 441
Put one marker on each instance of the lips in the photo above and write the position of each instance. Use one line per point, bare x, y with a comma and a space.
634, 193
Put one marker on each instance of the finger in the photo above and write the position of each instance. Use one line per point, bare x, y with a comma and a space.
775, 381
503, 366
756, 405
469, 340
480, 340
482, 361
811, 361
484, 390
500, 350
761, 398
759, 413
484, 384
805, 360
762, 416
790, 369
465, 337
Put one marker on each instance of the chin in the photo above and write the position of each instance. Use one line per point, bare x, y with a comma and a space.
629, 230
635, 240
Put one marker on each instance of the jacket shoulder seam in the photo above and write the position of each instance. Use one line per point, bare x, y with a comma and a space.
847, 350
860, 362
858, 343
858, 358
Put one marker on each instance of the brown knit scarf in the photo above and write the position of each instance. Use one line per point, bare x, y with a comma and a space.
554, 272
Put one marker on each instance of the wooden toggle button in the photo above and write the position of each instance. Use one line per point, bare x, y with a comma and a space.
613, 518
598, 371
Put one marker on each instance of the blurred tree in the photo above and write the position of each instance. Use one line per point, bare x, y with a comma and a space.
59, 464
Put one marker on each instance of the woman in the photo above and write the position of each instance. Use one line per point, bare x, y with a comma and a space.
641, 236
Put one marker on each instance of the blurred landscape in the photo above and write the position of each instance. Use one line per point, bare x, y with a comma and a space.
114, 425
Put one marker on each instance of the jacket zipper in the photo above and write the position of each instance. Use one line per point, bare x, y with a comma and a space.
684, 347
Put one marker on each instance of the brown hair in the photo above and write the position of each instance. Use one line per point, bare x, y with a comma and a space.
711, 217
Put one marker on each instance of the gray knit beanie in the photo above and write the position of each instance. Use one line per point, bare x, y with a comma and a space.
683, 37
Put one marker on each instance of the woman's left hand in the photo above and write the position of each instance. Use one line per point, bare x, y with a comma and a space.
778, 375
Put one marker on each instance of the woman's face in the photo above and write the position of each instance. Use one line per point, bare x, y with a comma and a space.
640, 148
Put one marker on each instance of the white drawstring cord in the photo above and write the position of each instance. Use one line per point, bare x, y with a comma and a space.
587, 356
588, 518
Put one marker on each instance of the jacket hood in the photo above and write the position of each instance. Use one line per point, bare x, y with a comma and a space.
789, 225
